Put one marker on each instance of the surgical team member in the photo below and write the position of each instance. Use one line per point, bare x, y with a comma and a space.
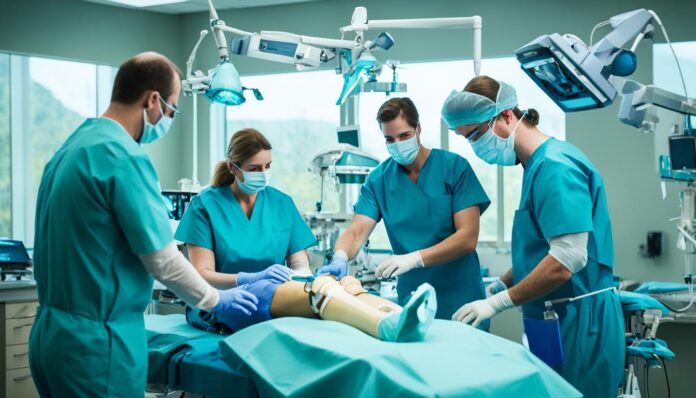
431, 203
241, 230
561, 242
101, 230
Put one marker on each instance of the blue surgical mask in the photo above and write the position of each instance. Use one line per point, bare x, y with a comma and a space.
493, 149
153, 132
254, 181
404, 152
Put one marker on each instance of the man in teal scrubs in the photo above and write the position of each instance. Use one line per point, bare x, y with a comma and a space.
101, 230
561, 243
431, 202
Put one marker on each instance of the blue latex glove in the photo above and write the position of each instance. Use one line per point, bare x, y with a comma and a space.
275, 273
495, 288
236, 301
338, 265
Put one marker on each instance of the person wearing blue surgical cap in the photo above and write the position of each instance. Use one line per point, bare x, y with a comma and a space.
431, 203
561, 243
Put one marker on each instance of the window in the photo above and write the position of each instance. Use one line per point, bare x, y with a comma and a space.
60, 96
46, 99
665, 72
300, 119
5, 159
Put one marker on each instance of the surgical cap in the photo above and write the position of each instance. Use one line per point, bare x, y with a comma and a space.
463, 107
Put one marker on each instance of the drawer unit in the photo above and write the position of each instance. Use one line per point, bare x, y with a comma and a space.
18, 319
17, 356
21, 310
17, 330
18, 383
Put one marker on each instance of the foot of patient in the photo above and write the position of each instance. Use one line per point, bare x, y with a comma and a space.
413, 322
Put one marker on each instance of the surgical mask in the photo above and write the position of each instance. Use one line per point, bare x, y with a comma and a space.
493, 149
254, 181
153, 132
404, 152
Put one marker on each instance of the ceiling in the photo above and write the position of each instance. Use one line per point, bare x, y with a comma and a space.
187, 6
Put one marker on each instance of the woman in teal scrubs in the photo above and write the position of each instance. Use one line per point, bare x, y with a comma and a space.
561, 243
431, 202
241, 231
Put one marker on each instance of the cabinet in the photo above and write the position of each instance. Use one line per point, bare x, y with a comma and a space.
17, 318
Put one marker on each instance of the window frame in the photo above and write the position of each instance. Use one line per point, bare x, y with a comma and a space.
20, 141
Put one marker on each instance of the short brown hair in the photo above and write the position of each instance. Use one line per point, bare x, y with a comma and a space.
144, 72
395, 107
244, 144
488, 87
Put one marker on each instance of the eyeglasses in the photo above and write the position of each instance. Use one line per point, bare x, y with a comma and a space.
479, 131
175, 110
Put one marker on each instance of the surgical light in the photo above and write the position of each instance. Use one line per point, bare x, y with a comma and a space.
225, 85
576, 77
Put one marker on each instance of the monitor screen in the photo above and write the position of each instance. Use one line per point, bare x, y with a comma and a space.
560, 85
12, 252
349, 135
682, 152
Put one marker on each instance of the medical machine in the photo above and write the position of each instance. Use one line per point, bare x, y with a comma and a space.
579, 77
177, 202
343, 169
352, 58
14, 260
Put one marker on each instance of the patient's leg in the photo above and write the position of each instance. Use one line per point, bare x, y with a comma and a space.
354, 287
291, 299
331, 301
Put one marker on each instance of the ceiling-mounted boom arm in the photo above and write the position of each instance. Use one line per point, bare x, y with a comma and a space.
223, 84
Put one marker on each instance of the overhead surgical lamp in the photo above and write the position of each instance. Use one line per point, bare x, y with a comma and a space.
222, 84
353, 57
225, 86
576, 77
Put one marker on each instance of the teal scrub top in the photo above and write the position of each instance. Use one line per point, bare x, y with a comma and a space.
215, 220
419, 215
99, 206
562, 193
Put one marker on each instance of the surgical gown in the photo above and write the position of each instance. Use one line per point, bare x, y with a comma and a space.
215, 220
99, 206
562, 193
419, 215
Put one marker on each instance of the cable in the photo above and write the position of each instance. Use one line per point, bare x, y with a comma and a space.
647, 380
664, 366
664, 33
599, 25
